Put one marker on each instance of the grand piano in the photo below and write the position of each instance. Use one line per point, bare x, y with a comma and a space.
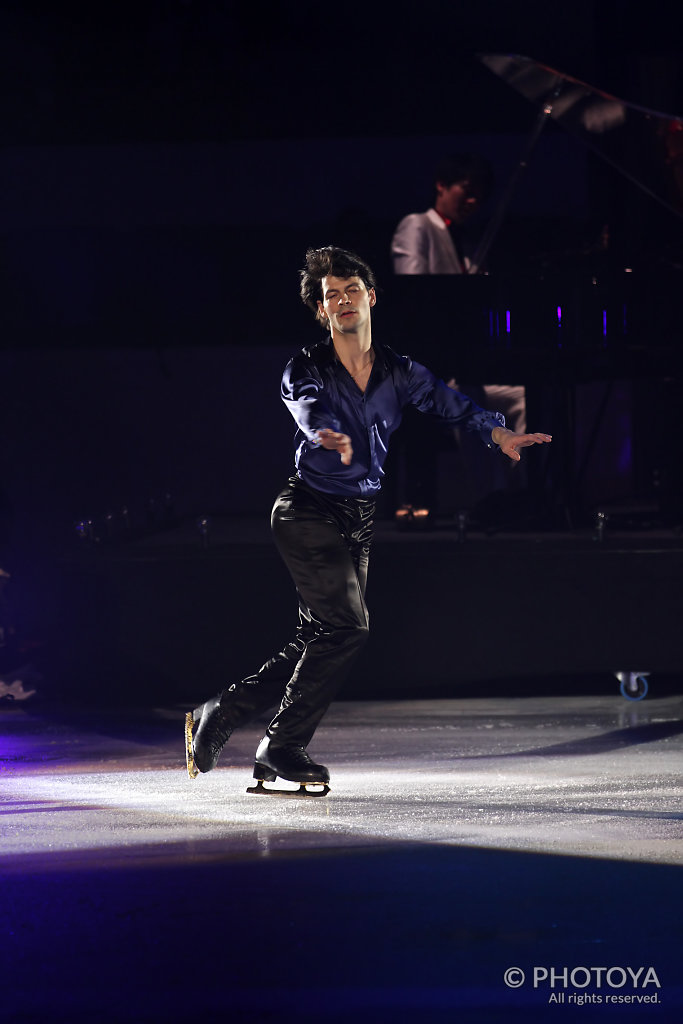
597, 314
607, 308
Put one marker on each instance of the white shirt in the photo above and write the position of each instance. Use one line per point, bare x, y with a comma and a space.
422, 244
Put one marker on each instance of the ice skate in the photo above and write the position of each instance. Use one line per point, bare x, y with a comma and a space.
292, 764
203, 745
192, 769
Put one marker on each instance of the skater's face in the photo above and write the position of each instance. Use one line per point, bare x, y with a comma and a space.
346, 303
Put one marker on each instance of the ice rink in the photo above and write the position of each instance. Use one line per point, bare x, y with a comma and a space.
465, 844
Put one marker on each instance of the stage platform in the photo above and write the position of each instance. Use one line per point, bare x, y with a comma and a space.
501, 859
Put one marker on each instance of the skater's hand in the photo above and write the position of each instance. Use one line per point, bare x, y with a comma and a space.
510, 442
335, 442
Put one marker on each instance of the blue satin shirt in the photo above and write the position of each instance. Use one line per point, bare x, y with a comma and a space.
319, 392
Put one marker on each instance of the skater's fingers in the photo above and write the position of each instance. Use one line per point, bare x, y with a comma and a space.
346, 453
512, 442
330, 438
345, 449
527, 439
334, 441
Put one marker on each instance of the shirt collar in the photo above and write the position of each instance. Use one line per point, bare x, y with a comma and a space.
437, 219
324, 355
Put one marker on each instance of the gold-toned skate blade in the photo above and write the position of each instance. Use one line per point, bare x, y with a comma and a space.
321, 789
192, 769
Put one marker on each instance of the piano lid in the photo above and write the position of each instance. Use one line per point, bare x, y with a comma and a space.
644, 145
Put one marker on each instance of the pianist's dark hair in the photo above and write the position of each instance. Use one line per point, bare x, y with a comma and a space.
328, 261
465, 167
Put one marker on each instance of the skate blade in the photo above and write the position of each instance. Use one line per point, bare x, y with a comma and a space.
321, 789
192, 769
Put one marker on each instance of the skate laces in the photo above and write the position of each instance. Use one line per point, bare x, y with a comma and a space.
217, 730
300, 756
219, 733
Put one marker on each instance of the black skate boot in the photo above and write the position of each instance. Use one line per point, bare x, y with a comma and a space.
203, 745
290, 762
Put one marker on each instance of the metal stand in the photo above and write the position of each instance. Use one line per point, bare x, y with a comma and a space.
633, 685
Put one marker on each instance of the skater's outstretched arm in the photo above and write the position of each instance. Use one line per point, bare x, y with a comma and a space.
510, 443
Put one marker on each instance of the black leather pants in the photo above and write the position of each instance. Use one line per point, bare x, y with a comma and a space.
325, 543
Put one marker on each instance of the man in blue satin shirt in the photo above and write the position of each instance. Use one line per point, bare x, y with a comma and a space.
346, 394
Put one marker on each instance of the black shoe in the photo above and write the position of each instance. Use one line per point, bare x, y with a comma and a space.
211, 735
290, 762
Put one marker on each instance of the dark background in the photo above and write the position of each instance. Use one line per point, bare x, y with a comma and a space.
165, 165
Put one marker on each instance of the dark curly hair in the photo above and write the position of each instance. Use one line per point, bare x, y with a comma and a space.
469, 167
328, 261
